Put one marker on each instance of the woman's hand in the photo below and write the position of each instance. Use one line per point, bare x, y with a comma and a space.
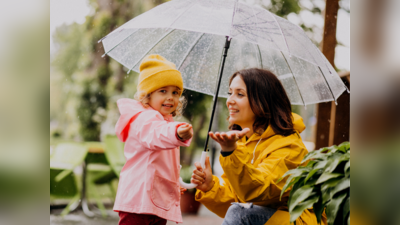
203, 178
185, 132
228, 140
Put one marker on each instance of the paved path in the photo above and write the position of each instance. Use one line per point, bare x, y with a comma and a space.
204, 217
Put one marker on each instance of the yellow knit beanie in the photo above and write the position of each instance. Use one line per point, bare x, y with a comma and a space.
157, 72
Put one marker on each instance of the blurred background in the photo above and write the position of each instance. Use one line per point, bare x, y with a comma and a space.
79, 96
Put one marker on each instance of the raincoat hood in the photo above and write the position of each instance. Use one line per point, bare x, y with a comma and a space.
298, 123
129, 110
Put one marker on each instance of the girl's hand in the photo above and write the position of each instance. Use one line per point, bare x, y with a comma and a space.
228, 140
185, 132
203, 178
182, 190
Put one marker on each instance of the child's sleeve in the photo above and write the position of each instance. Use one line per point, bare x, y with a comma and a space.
155, 133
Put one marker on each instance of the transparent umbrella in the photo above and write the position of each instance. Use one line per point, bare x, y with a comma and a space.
196, 36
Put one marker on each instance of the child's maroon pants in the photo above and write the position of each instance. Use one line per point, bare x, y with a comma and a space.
126, 218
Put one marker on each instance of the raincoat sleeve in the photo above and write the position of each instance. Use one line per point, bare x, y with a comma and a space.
219, 198
155, 133
257, 183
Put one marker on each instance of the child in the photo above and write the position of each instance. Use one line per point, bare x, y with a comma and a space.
148, 189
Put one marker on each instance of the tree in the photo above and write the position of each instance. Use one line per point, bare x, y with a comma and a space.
79, 60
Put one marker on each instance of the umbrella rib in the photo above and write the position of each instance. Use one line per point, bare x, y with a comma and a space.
118, 43
190, 49
159, 40
294, 78
233, 17
280, 28
259, 54
333, 96
182, 14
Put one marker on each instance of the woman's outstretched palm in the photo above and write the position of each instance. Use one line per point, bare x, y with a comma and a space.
228, 140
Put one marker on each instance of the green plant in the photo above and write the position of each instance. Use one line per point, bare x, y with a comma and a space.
324, 183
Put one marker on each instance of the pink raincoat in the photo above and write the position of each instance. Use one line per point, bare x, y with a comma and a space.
149, 180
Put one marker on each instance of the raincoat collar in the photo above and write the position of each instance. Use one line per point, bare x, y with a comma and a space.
298, 126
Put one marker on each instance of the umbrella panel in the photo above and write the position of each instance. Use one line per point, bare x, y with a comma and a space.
198, 57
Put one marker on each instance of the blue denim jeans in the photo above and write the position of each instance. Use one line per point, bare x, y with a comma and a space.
247, 214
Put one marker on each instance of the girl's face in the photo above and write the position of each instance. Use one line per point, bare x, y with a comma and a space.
238, 104
165, 100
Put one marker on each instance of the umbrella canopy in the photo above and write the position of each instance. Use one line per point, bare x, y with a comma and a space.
191, 34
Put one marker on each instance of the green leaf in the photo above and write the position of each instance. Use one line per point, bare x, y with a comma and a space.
333, 149
326, 195
311, 173
318, 209
327, 176
330, 183
300, 195
333, 206
296, 172
347, 168
345, 183
299, 209
312, 181
346, 209
319, 165
315, 155
296, 186
335, 160
311, 163
345, 146
290, 181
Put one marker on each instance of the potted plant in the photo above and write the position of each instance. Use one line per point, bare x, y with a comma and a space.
323, 184
188, 203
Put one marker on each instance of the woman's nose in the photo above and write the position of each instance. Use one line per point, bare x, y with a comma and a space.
230, 101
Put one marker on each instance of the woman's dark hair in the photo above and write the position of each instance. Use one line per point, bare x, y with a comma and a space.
268, 101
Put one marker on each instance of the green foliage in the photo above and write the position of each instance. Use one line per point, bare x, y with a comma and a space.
68, 41
324, 183
283, 7
84, 92
91, 100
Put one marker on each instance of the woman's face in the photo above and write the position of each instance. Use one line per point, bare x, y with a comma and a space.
238, 104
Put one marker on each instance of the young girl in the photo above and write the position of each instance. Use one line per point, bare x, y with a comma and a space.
148, 189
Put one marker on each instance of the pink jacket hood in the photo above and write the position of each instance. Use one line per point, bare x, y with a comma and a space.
129, 110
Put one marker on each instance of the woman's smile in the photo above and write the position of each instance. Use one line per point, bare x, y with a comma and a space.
233, 111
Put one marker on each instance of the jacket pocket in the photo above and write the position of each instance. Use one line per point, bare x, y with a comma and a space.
164, 192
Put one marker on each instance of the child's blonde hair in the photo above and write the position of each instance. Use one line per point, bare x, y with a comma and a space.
144, 98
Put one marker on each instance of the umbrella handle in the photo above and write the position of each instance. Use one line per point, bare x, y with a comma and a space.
203, 165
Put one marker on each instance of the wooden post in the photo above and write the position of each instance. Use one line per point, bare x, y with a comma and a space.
342, 122
324, 132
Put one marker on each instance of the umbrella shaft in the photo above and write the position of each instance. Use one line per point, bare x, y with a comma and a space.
227, 44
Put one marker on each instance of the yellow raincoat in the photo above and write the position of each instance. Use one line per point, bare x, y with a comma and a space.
246, 182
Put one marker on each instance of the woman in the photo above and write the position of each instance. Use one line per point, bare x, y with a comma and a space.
255, 157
